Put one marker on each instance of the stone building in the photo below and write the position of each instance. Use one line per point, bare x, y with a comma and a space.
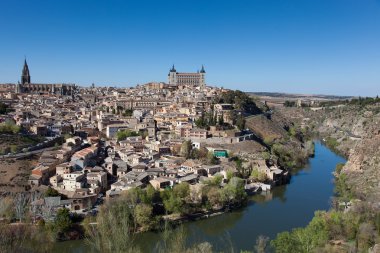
194, 79
26, 86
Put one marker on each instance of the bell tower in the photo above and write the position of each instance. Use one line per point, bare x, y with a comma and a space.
202, 81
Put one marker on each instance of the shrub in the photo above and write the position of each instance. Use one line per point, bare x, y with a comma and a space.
9, 127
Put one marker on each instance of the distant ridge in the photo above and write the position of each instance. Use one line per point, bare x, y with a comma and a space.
292, 95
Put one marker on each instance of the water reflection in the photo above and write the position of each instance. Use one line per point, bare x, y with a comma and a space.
219, 224
284, 208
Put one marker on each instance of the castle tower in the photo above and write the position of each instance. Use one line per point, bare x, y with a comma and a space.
172, 76
25, 76
202, 81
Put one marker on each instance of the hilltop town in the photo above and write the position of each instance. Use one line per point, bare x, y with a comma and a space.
77, 157
94, 143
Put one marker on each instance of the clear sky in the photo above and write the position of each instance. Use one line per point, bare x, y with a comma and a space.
308, 46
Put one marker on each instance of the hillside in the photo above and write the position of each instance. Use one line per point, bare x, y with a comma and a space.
353, 224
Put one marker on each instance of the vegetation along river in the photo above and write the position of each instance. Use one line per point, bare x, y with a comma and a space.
284, 208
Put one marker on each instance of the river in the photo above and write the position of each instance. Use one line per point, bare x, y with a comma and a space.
284, 208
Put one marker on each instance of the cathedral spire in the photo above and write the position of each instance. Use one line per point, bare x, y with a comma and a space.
25, 76
173, 69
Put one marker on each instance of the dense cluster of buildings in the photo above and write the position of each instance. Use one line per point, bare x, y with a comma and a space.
94, 160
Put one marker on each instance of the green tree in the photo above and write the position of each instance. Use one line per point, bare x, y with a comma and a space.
143, 215
124, 134
215, 180
258, 175
151, 195
9, 127
230, 174
201, 121
62, 221
173, 204
285, 243
50, 192
186, 148
302, 240
214, 196
221, 120
3, 108
240, 122
240, 100
211, 159
234, 191
182, 190
175, 200
128, 113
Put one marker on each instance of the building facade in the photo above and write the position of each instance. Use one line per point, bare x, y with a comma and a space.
26, 86
194, 79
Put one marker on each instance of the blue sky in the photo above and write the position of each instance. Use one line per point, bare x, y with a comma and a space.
308, 46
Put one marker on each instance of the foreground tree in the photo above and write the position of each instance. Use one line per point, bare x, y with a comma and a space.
174, 240
303, 239
25, 238
114, 228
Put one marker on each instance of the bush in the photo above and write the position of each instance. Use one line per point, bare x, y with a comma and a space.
339, 167
50, 192
331, 143
9, 127
215, 180
258, 175
240, 100
342, 189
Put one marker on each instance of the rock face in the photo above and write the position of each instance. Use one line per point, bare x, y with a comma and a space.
355, 131
266, 129
363, 168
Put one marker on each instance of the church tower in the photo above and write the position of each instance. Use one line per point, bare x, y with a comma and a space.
172, 76
25, 76
202, 81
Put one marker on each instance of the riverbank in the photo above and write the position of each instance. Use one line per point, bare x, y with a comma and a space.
353, 222
297, 201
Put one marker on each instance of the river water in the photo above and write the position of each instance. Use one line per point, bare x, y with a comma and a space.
284, 208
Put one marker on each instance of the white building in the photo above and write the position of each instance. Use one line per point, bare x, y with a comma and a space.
73, 181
